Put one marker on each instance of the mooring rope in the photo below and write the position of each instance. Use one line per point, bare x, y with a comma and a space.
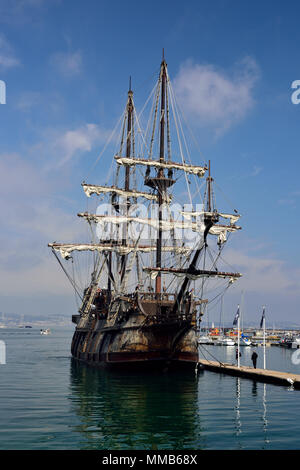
220, 362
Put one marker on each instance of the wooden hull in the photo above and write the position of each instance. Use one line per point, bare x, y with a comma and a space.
155, 346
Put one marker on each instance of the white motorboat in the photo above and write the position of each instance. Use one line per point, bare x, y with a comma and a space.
45, 332
205, 340
296, 343
225, 341
228, 342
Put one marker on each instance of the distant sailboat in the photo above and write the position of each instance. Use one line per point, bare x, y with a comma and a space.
2, 325
21, 323
244, 341
223, 340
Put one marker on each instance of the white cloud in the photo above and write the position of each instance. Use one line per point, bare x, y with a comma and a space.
31, 219
265, 275
76, 140
7, 56
214, 97
67, 63
64, 146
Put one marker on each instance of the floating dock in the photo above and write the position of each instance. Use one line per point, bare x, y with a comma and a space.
262, 375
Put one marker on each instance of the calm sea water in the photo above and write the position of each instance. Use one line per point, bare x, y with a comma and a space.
49, 402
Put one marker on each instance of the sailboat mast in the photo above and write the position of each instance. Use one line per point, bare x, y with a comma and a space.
127, 170
160, 174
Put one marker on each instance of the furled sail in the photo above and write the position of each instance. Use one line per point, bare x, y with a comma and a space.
66, 249
191, 169
192, 275
233, 218
163, 224
90, 189
221, 231
189, 214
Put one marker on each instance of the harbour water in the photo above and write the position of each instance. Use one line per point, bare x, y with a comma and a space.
48, 401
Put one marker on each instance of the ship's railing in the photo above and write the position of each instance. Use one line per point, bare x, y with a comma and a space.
154, 296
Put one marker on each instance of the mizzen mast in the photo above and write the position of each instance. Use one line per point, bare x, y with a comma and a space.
210, 218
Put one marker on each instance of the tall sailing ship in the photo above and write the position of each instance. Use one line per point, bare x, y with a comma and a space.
151, 262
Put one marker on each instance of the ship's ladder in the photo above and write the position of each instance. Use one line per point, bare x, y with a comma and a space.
86, 317
113, 313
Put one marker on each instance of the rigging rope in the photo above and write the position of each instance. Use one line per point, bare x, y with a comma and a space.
67, 274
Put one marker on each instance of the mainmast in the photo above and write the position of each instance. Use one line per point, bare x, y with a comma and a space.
160, 182
127, 169
160, 173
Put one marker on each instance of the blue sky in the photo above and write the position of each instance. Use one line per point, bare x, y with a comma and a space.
66, 66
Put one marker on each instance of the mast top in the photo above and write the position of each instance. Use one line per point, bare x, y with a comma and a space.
209, 177
163, 62
130, 92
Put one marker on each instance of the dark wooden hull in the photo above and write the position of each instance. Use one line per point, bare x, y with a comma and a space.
154, 347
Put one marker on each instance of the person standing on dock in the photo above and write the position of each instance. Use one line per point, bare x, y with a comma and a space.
254, 358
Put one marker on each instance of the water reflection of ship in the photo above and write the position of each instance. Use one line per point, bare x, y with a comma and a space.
134, 411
